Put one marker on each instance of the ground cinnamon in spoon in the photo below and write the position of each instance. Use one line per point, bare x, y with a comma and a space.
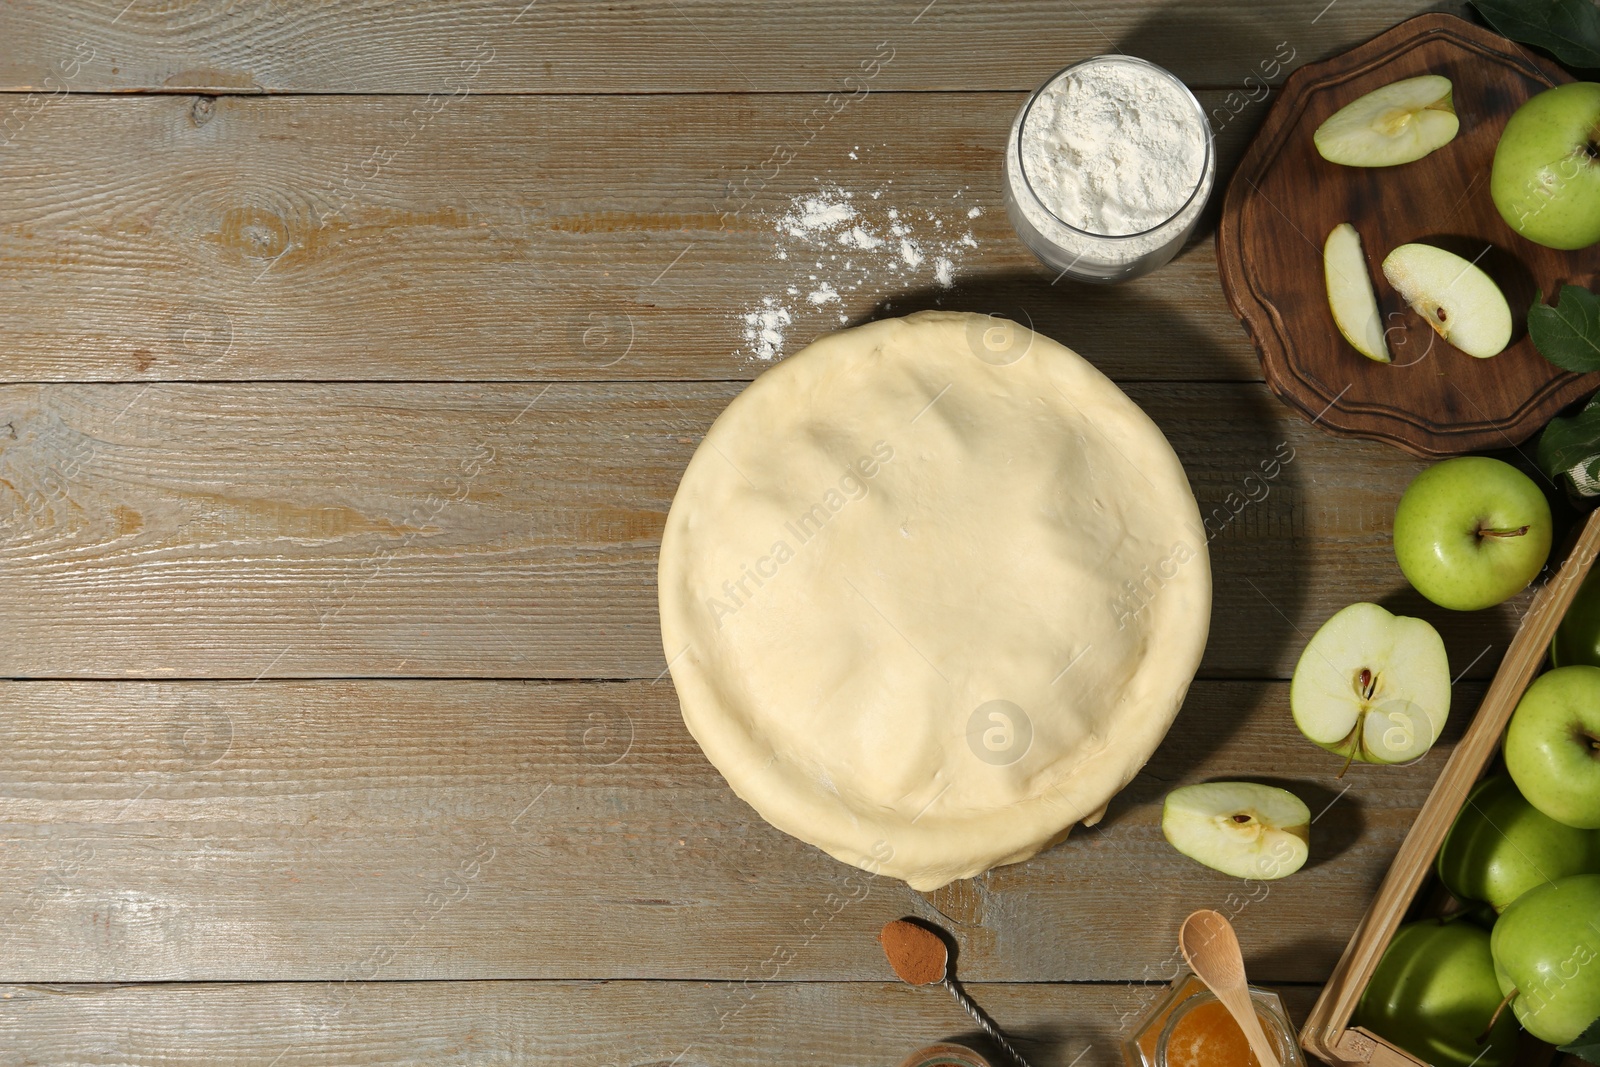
915, 952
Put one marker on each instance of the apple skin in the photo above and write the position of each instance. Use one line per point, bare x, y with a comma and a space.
1546, 946
1577, 639
1546, 178
1456, 532
1433, 994
1552, 746
1501, 846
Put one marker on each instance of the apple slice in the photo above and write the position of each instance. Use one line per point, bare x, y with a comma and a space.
1350, 293
1372, 686
1461, 303
1239, 828
1399, 123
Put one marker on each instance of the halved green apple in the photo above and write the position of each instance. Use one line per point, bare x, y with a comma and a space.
1399, 123
1372, 686
1244, 829
1350, 294
1461, 302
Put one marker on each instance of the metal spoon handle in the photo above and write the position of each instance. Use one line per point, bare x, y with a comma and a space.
983, 1020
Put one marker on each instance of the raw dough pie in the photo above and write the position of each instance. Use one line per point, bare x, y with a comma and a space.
932, 591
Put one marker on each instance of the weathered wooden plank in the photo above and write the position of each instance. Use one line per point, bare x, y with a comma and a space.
689, 45
167, 238
451, 830
511, 531
554, 1024
449, 531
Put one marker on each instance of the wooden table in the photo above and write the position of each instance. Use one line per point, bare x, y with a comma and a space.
353, 353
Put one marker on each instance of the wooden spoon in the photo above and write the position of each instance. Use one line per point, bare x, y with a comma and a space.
1212, 949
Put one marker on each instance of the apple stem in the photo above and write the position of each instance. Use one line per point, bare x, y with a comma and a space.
1518, 532
1483, 1038
1347, 761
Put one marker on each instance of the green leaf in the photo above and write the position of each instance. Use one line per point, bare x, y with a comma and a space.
1568, 29
1587, 1047
1569, 449
1567, 334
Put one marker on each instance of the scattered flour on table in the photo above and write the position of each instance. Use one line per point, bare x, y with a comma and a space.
839, 245
763, 327
823, 294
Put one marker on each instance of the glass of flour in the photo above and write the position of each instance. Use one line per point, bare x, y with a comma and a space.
1108, 167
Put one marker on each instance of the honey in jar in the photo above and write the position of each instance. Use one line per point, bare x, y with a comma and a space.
1208, 1036
1189, 1027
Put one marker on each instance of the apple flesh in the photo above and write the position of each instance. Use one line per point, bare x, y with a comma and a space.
1433, 994
1372, 686
1546, 948
1546, 174
1401, 122
1552, 746
1244, 829
1501, 846
1471, 532
1460, 302
1350, 294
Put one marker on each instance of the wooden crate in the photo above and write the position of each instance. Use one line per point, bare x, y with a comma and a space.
1327, 1032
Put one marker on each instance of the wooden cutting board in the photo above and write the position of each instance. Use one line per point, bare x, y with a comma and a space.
1434, 400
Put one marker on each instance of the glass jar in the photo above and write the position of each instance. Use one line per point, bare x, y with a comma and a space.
1092, 257
1152, 1044
945, 1056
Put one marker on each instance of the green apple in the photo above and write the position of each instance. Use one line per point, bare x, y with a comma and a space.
1350, 294
1501, 846
1397, 123
1460, 302
1471, 532
1433, 994
1372, 686
1546, 175
1577, 639
1546, 949
1244, 829
1553, 745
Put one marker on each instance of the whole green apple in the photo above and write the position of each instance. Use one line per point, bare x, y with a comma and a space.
1546, 175
1433, 994
1553, 745
1471, 532
1546, 948
1501, 846
1577, 639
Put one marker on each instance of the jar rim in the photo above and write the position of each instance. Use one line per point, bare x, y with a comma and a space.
1207, 133
1268, 1010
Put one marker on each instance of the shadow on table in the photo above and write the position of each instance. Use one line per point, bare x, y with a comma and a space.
1338, 825
1186, 39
